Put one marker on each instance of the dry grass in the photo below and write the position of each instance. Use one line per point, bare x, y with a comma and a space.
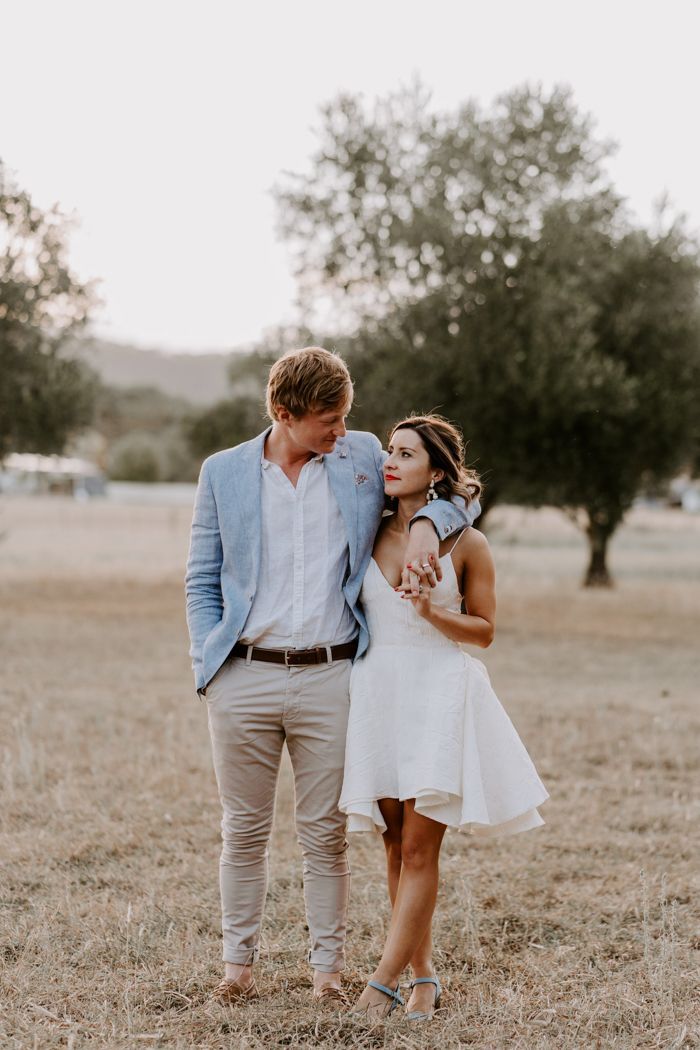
583, 934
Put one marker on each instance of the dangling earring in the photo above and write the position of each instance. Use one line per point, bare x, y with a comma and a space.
432, 494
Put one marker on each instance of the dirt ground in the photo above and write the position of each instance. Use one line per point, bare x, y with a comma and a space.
585, 933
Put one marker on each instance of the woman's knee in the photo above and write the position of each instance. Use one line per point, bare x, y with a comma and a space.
418, 853
392, 844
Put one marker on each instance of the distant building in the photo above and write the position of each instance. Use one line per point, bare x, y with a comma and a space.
26, 473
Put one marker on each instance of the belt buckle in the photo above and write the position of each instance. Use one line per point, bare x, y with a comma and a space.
302, 657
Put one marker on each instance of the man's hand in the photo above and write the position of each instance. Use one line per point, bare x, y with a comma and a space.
422, 568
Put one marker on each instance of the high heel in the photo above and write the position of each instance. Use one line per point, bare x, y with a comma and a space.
425, 1015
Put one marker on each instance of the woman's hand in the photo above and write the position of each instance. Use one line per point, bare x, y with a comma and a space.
420, 597
423, 550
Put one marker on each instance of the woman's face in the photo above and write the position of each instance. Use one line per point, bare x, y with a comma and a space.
407, 471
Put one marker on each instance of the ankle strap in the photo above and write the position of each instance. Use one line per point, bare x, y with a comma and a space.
387, 991
425, 980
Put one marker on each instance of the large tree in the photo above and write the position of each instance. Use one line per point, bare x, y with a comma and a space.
45, 396
491, 270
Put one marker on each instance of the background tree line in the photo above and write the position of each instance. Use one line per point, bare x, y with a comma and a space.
45, 396
477, 262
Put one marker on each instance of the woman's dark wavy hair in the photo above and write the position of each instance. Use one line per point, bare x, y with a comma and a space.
445, 447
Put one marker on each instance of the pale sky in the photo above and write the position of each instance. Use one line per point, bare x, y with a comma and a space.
163, 124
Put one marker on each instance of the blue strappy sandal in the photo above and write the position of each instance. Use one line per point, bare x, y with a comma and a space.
396, 999
423, 1015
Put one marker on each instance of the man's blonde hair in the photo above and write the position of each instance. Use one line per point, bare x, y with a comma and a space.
308, 380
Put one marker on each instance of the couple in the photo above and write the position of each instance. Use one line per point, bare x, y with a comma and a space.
294, 571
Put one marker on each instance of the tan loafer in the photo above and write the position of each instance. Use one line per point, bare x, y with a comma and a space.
330, 993
229, 991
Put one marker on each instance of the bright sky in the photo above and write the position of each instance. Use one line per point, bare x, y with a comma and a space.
163, 124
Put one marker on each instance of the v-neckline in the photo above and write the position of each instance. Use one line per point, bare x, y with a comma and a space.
372, 558
382, 574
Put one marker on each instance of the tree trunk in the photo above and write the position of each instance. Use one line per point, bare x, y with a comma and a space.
487, 505
599, 530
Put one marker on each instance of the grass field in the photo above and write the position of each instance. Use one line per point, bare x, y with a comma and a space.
585, 933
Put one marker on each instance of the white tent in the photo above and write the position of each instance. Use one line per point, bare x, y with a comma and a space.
28, 472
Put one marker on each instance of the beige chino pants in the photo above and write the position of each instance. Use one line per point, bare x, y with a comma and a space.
254, 708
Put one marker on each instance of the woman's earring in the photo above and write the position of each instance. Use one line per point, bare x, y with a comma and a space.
432, 494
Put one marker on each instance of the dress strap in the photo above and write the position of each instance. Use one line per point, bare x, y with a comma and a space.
458, 539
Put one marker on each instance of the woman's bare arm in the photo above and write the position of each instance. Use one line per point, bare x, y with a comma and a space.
474, 567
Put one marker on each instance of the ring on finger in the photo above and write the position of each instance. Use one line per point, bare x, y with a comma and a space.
427, 566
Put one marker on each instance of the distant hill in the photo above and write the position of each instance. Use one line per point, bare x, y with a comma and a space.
199, 378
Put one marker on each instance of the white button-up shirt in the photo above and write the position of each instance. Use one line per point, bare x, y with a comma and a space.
299, 600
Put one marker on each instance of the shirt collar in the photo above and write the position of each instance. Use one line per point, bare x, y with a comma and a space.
265, 463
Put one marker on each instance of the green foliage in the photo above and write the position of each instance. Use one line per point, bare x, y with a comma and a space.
134, 457
143, 429
225, 424
45, 396
403, 203
491, 272
247, 372
241, 416
119, 410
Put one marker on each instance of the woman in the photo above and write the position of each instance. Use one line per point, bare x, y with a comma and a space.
429, 745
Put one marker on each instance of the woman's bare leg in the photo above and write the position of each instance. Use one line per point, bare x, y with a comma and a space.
412, 913
392, 811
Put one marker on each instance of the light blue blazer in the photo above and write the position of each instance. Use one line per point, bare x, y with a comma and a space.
224, 559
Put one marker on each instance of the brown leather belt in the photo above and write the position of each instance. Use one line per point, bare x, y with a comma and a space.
297, 657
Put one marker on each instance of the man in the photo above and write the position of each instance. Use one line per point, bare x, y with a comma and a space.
282, 534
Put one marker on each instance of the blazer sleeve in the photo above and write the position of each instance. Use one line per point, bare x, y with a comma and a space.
203, 576
449, 516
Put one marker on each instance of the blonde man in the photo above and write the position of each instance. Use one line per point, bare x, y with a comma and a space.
282, 534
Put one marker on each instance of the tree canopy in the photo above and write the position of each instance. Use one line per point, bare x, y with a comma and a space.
44, 395
483, 264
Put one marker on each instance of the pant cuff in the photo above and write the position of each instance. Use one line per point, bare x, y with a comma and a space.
241, 956
326, 961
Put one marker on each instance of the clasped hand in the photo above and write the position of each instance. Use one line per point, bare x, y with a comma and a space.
422, 570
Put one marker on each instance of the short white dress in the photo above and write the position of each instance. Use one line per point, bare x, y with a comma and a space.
425, 724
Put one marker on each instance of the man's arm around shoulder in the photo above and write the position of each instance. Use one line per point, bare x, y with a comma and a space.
448, 516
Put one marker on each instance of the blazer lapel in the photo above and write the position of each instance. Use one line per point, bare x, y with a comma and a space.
342, 481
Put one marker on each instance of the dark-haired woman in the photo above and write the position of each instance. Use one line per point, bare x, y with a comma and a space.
429, 745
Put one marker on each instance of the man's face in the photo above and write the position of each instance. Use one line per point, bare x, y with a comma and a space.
318, 431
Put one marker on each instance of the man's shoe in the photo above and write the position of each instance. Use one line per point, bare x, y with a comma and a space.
229, 991
331, 993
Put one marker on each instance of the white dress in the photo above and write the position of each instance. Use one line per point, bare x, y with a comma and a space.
425, 724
